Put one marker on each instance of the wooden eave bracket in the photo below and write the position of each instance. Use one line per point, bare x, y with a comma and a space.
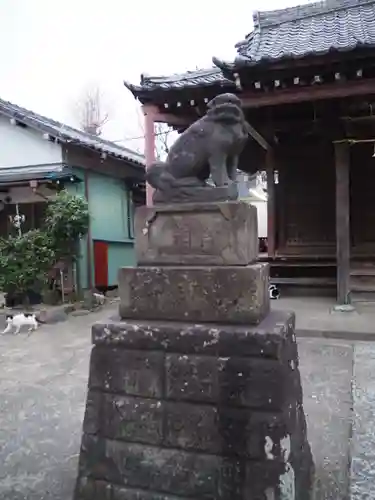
257, 137
167, 118
180, 121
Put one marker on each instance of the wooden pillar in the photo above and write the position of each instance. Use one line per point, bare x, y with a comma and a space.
271, 207
149, 115
89, 244
342, 160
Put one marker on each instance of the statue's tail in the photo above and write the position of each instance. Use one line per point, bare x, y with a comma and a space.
154, 174
158, 176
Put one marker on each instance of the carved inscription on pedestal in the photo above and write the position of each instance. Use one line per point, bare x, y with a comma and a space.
211, 235
188, 235
181, 235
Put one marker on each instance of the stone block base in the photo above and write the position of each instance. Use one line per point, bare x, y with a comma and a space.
182, 411
197, 193
210, 234
229, 294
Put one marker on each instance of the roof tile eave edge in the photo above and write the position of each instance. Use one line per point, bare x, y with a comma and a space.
132, 88
269, 60
144, 94
222, 65
178, 82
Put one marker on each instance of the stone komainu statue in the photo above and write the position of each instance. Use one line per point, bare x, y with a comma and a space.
210, 146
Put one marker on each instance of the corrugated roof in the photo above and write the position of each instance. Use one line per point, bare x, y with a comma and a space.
27, 172
67, 134
312, 29
197, 78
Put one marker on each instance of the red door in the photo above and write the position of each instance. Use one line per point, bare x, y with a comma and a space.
101, 263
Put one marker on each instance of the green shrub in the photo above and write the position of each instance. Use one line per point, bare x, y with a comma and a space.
26, 259
67, 220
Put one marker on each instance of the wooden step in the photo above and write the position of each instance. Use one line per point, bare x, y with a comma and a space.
363, 271
303, 281
362, 282
360, 288
368, 297
362, 278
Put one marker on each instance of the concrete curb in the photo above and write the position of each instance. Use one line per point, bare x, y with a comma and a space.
336, 335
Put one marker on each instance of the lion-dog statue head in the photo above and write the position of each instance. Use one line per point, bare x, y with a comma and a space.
210, 146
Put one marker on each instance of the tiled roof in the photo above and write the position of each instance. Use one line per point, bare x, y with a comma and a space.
197, 78
67, 134
312, 29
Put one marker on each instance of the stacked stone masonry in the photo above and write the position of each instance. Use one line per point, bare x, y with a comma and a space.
227, 294
198, 264
195, 392
194, 411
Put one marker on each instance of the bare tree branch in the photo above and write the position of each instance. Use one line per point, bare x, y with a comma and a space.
164, 136
162, 140
92, 113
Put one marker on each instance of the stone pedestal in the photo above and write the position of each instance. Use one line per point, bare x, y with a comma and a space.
211, 234
198, 294
195, 392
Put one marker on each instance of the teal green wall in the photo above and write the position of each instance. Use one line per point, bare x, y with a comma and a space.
108, 208
108, 222
119, 255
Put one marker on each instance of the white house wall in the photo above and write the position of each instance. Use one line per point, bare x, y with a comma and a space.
21, 146
262, 217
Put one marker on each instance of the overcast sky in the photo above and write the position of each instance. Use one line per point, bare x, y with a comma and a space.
51, 50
